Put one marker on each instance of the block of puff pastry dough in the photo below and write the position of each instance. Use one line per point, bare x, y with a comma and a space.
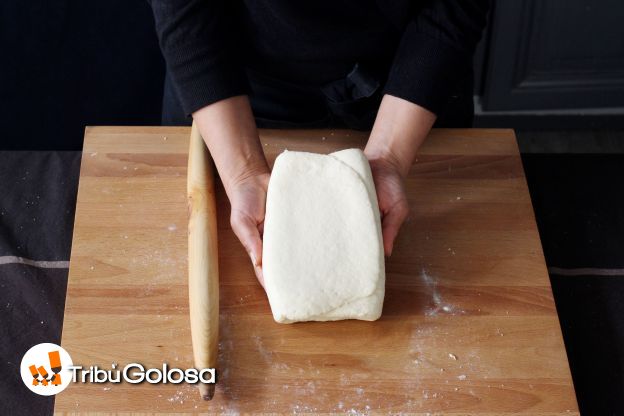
322, 254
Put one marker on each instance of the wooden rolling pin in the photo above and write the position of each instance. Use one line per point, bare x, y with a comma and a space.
203, 259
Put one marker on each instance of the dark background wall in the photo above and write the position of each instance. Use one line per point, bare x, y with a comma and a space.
543, 56
552, 63
65, 64
71, 63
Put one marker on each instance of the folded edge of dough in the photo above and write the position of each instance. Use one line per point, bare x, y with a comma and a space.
367, 307
360, 308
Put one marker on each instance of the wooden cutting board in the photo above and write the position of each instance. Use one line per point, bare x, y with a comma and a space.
469, 323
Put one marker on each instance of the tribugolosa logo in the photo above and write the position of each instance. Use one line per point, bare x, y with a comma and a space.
45, 369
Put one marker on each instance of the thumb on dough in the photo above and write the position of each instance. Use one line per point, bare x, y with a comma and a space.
247, 232
391, 224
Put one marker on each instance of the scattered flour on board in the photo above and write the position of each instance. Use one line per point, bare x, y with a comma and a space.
439, 305
266, 354
186, 393
169, 265
309, 394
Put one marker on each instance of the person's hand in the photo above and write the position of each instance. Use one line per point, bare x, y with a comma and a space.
392, 200
248, 199
229, 129
399, 129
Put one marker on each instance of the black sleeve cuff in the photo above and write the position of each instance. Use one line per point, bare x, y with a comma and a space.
426, 70
199, 40
197, 90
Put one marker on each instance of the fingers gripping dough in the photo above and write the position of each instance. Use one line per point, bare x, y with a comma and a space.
322, 251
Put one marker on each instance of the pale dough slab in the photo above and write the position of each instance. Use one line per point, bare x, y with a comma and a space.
323, 253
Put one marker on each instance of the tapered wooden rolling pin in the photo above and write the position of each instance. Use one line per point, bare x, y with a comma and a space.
203, 259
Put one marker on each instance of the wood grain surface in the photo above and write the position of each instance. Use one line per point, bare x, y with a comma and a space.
469, 323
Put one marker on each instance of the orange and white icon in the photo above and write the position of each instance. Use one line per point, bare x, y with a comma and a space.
55, 366
45, 369
35, 374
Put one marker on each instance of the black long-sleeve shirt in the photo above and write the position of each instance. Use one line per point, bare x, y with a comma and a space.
423, 47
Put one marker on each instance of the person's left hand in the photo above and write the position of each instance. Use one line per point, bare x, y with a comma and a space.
392, 200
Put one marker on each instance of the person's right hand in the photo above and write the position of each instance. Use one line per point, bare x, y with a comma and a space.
248, 199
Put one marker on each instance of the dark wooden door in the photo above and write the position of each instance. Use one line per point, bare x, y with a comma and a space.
555, 54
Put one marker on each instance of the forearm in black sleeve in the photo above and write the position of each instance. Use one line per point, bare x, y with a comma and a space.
436, 51
200, 43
